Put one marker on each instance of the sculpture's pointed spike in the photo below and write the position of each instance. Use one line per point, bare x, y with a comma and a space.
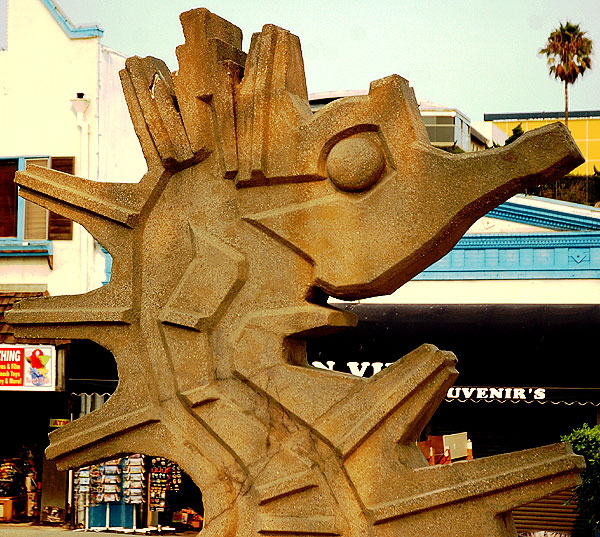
423, 376
272, 94
72, 442
137, 113
149, 89
65, 316
281, 56
507, 480
211, 63
118, 202
403, 123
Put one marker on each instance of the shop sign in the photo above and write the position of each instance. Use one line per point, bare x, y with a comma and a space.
58, 422
540, 395
358, 369
553, 395
496, 393
27, 367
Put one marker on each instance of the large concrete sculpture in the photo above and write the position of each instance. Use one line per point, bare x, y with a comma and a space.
253, 211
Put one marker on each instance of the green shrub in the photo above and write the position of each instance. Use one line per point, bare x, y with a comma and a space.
586, 442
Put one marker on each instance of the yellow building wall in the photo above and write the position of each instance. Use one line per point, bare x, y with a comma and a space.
585, 131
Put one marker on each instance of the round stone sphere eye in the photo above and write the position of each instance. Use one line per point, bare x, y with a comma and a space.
355, 164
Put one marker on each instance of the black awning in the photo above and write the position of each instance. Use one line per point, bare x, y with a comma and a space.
544, 345
508, 315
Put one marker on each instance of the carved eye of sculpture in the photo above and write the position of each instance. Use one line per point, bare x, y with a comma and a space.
355, 164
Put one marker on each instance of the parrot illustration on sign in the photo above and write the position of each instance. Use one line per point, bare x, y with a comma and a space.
37, 363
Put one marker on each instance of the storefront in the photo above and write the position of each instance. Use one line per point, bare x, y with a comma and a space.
31, 384
34, 401
45, 384
527, 376
526, 372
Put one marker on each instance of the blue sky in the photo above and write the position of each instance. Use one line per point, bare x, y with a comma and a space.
478, 56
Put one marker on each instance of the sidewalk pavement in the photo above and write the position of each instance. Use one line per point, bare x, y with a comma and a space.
30, 530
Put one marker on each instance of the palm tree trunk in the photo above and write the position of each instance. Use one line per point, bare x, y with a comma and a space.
566, 103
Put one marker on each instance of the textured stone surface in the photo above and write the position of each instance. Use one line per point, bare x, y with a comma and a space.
253, 210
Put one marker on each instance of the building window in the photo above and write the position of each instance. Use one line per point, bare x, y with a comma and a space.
8, 198
23, 220
440, 129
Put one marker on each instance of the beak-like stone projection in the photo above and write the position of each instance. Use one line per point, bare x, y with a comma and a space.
254, 210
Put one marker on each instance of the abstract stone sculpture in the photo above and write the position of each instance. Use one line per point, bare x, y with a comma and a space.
253, 211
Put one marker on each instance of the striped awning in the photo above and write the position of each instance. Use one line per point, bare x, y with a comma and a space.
554, 515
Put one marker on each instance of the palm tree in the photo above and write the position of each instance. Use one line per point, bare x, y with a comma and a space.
568, 53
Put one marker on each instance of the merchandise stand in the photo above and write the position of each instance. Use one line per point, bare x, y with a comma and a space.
12, 507
107, 495
132, 493
13, 497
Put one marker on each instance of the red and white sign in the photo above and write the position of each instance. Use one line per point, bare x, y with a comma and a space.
59, 422
27, 367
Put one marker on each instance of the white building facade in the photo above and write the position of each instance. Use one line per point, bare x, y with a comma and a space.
61, 106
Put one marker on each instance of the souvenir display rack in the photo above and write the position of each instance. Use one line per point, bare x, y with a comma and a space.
109, 494
106, 482
134, 485
164, 478
11, 478
120, 493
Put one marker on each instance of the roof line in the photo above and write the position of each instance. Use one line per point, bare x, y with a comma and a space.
541, 115
72, 31
541, 216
